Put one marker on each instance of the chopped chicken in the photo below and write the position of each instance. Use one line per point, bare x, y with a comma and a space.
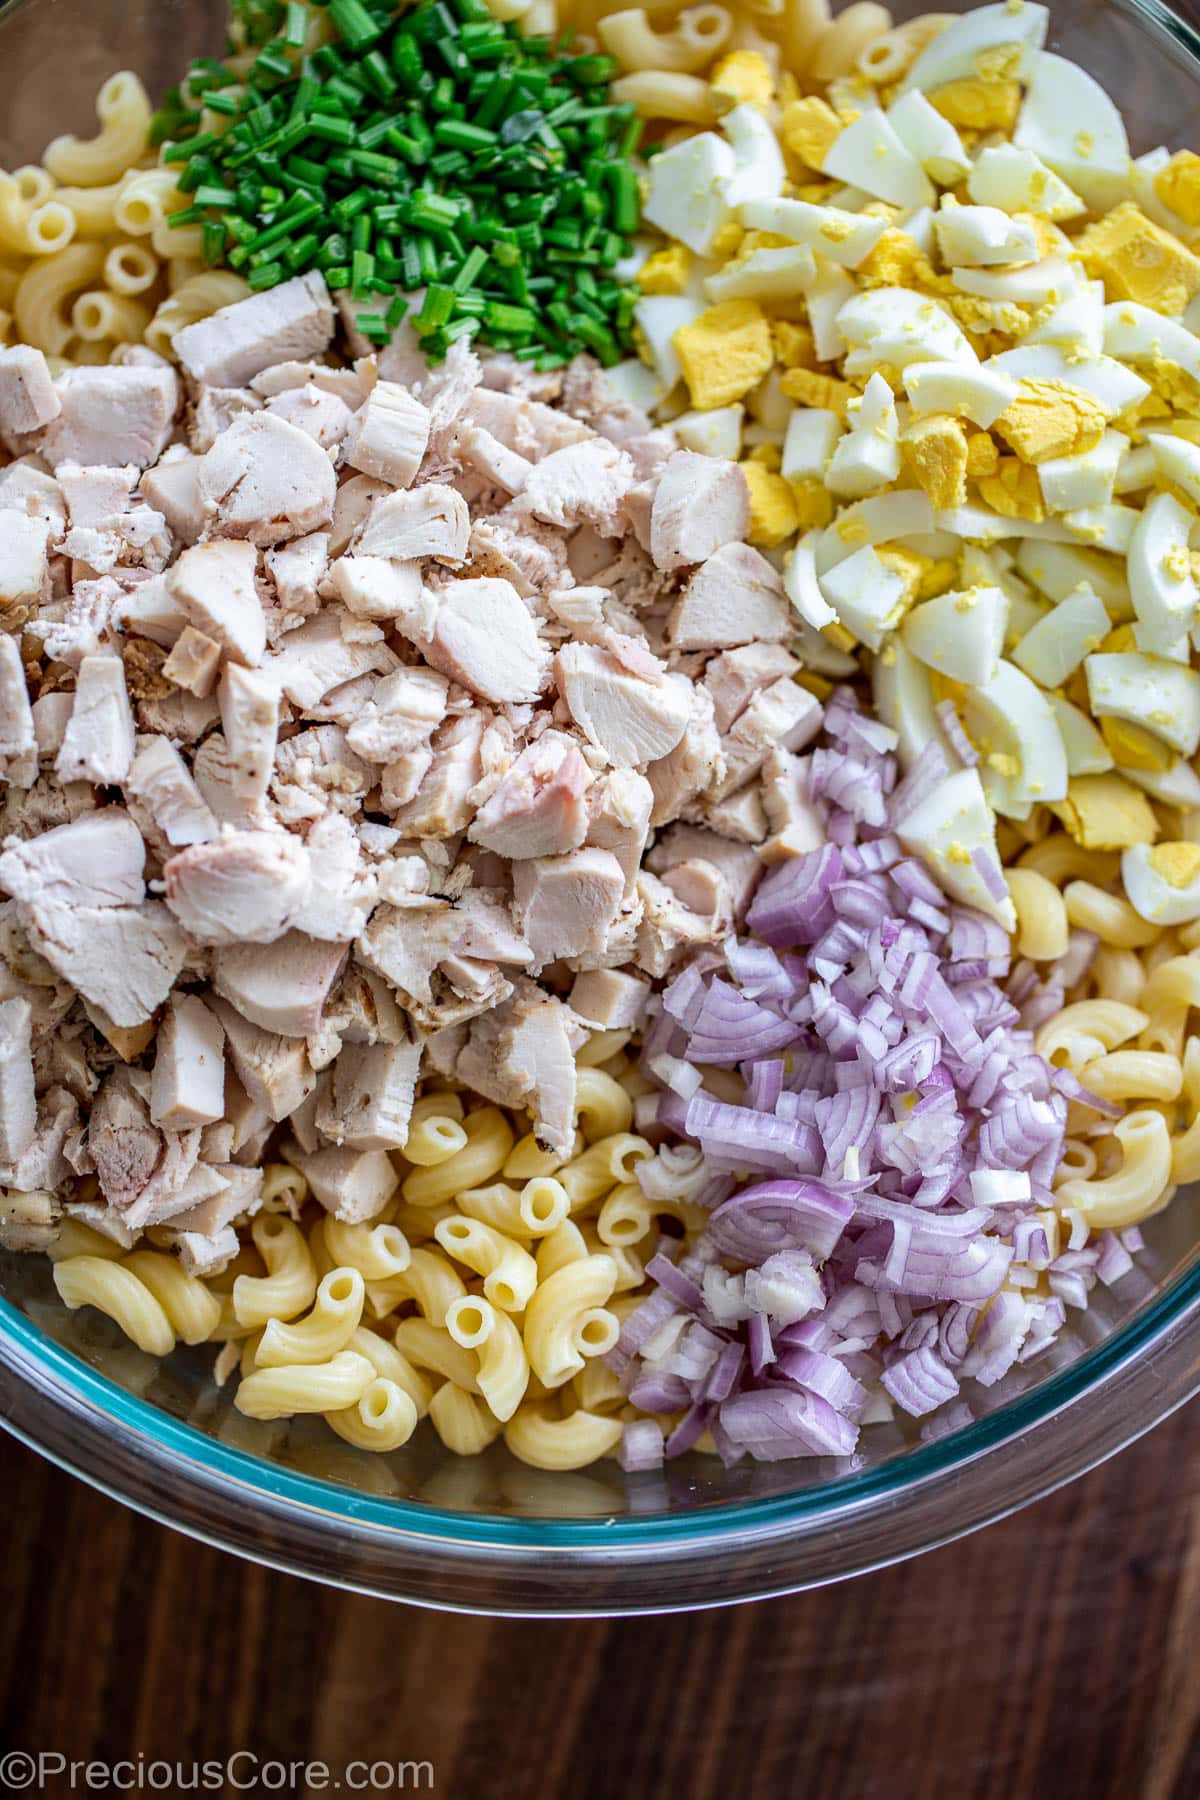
342, 891
633, 717
50, 715
701, 503
740, 815
281, 986
796, 820
282, 324
148, 610
376, 587
388, 435
526, 426
540, 806
565, 904
214, 587
492, 459
193, 663
403, 711
522, 1054
485, 637
580, 484
619, 817
107, 525
320, 415
125, 959
112, 414
609, 999
513, 545
18, 1093
734, 598
266, 481
25, 487
353, 1185
298, 569
249, 702
160, 783
96, 860
427, 521
696, 762
188, 1083
320, 655
351, 386
669, 929
245, 888
24, 559
18, 740
214, 410
98, 742
783, 715
28, 399
172, 487
736, 675
274, 1071
370, 1100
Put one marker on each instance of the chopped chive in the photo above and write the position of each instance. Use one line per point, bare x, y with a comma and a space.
437, 308
295, 25
267, 275
354, 23
332, 129
471, 270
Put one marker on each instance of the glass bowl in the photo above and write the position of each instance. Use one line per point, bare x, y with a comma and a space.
487, 1534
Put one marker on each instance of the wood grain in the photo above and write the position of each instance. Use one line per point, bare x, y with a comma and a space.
1052, 1655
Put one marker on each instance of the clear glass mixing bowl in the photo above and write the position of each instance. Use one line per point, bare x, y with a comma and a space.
487, 1534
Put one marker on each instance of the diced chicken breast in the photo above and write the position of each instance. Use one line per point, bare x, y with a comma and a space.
148, 610
245, 888
194, 662
188, 1083
214, 411
388, 435
350, 385
375, 587
700, 504
172, 487
161, 782
298, 569
669, 930
633, 718
353, 1185
281, 986
343, 889
125, 959
319, 415
266, 481
493, 460
18, 1096
405, 708
371, 1098
18, 740
98, 742
692, 766
619, 814
431, 520
539, 807
249, 702
28, 399
734, 676
522, 1054
288, 322
581, 484
274, 1071
124, 1145
320, 656
485, 637
24, 559
609, 999
565, 904
112, 414
96, 860
734, 598
50, 716
526, 426
783, 715
214, 587
441, 804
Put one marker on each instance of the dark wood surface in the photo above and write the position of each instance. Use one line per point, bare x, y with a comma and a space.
1053, 1655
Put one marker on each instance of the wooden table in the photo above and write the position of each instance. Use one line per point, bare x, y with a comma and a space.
1051, 1656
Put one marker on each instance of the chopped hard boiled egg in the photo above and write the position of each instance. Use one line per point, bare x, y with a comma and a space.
685, 192
1162, 696
1052, 651
844, 237
980, 236
868, 597
954, 829
978, 394
1087, 752
894, 327
812, 435
717, 432
1070, 122
960, 633
1161, 582
1162, 882
867, 457
1003, 38
1017, 735
870, 154
1016, 180
929, 139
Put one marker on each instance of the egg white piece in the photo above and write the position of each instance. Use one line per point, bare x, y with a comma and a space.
931, 140
904, 700
1105, 526
871, 154
945, 828
717, 432
1085, 479
1162, 882
1161, 583
1070, 122
802, 588
685, 194
812, 434
844, 237
953, 53
882, 519
658, 317
896, 327
1139, 334
1137, 470
632, 382
1056, 570
1076, 324
960, 633
866, 595
980, 525
758, 171
977, 394
1177, 460
1050, 280
1177, 786
1163, 697
1058, 643
867, 457
1016, 180
1025, 761
1087, 752
980, 236
825, 295
1107, 380
1142, 171
772, 274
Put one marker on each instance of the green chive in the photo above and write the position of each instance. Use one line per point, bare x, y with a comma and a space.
354, 23
436, 309
267, 275
296, 25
